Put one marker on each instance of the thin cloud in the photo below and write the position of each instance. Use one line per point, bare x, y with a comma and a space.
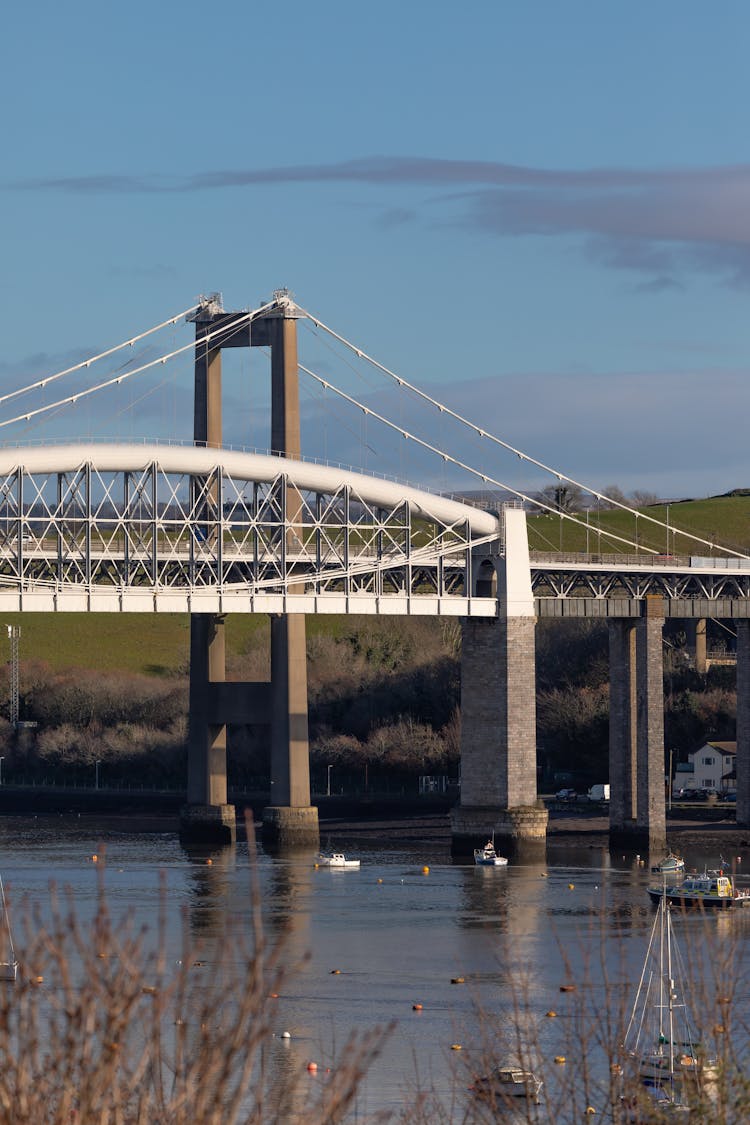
655, 221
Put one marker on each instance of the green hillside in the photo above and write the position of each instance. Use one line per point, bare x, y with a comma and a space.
721, 519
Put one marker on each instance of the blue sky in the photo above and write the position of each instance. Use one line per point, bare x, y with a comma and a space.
538, 211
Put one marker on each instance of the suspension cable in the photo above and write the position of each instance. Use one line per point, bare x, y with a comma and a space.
482, 433
95, 358
611, 535
231, 326
462, 464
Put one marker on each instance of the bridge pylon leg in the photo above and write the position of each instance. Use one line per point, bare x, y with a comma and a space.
207, 817
289, 819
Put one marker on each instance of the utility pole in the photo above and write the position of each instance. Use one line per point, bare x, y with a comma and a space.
14, 633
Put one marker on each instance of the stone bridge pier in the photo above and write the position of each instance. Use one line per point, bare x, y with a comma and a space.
637, 808
498, 708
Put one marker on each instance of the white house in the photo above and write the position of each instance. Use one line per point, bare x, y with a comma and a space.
710, 767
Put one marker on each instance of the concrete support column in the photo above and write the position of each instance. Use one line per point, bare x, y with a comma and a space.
207, 816
637, 804
696, 631
743, 722
498, 736
290, 818
622, 724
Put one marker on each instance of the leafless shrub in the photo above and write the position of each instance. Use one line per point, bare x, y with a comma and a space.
103, 1026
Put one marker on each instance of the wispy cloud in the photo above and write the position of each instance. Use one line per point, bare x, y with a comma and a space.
652, 221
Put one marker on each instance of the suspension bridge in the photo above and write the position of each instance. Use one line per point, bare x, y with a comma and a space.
191, 525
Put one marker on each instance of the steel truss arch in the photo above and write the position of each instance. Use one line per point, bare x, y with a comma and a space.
176, 529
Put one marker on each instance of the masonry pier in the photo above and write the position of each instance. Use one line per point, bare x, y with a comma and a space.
498, 708
637, 815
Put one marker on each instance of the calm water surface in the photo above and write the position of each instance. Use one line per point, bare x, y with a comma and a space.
397, 936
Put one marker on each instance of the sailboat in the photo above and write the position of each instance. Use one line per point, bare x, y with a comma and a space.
8, 962
660, 1040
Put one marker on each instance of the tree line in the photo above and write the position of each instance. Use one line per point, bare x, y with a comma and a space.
384, 704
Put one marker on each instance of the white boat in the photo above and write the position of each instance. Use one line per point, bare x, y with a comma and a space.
508, 1081
661, 1042
337, 859
488, 857
671, 864
8, 962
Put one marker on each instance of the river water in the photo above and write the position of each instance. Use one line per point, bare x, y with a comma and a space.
483, 951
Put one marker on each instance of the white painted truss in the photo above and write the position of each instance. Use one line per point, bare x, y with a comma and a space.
134, 528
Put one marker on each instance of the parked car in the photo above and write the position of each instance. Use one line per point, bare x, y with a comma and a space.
565, 795
730, 795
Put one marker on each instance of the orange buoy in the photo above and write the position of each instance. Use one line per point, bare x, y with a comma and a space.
335, 972
312, 1067
551, 1015
571, 886
416, 1007
425, 871
560, 1059
380, 880
457, 980
273, 995
456, 1047
209, 862
95, 858
567, 988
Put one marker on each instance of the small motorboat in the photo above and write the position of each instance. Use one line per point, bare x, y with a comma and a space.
508, 1081
337, 859
488, 857
670, 865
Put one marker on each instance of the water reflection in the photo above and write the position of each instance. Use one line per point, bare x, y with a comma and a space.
211, 878
485, 898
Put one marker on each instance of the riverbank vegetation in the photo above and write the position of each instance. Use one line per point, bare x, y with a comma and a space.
384, 701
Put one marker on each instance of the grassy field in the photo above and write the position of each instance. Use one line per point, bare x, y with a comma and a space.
155, 644
724, 519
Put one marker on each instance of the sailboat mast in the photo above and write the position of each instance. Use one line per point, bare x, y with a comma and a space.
670, 983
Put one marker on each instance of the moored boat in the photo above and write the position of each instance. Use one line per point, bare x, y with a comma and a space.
661, 1041
508, 1081
337, 859
711, 890
669, 865
488, 857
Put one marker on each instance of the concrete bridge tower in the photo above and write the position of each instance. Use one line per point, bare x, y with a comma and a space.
282, 703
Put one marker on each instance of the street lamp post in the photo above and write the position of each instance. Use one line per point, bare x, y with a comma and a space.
96, 782
328, 785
